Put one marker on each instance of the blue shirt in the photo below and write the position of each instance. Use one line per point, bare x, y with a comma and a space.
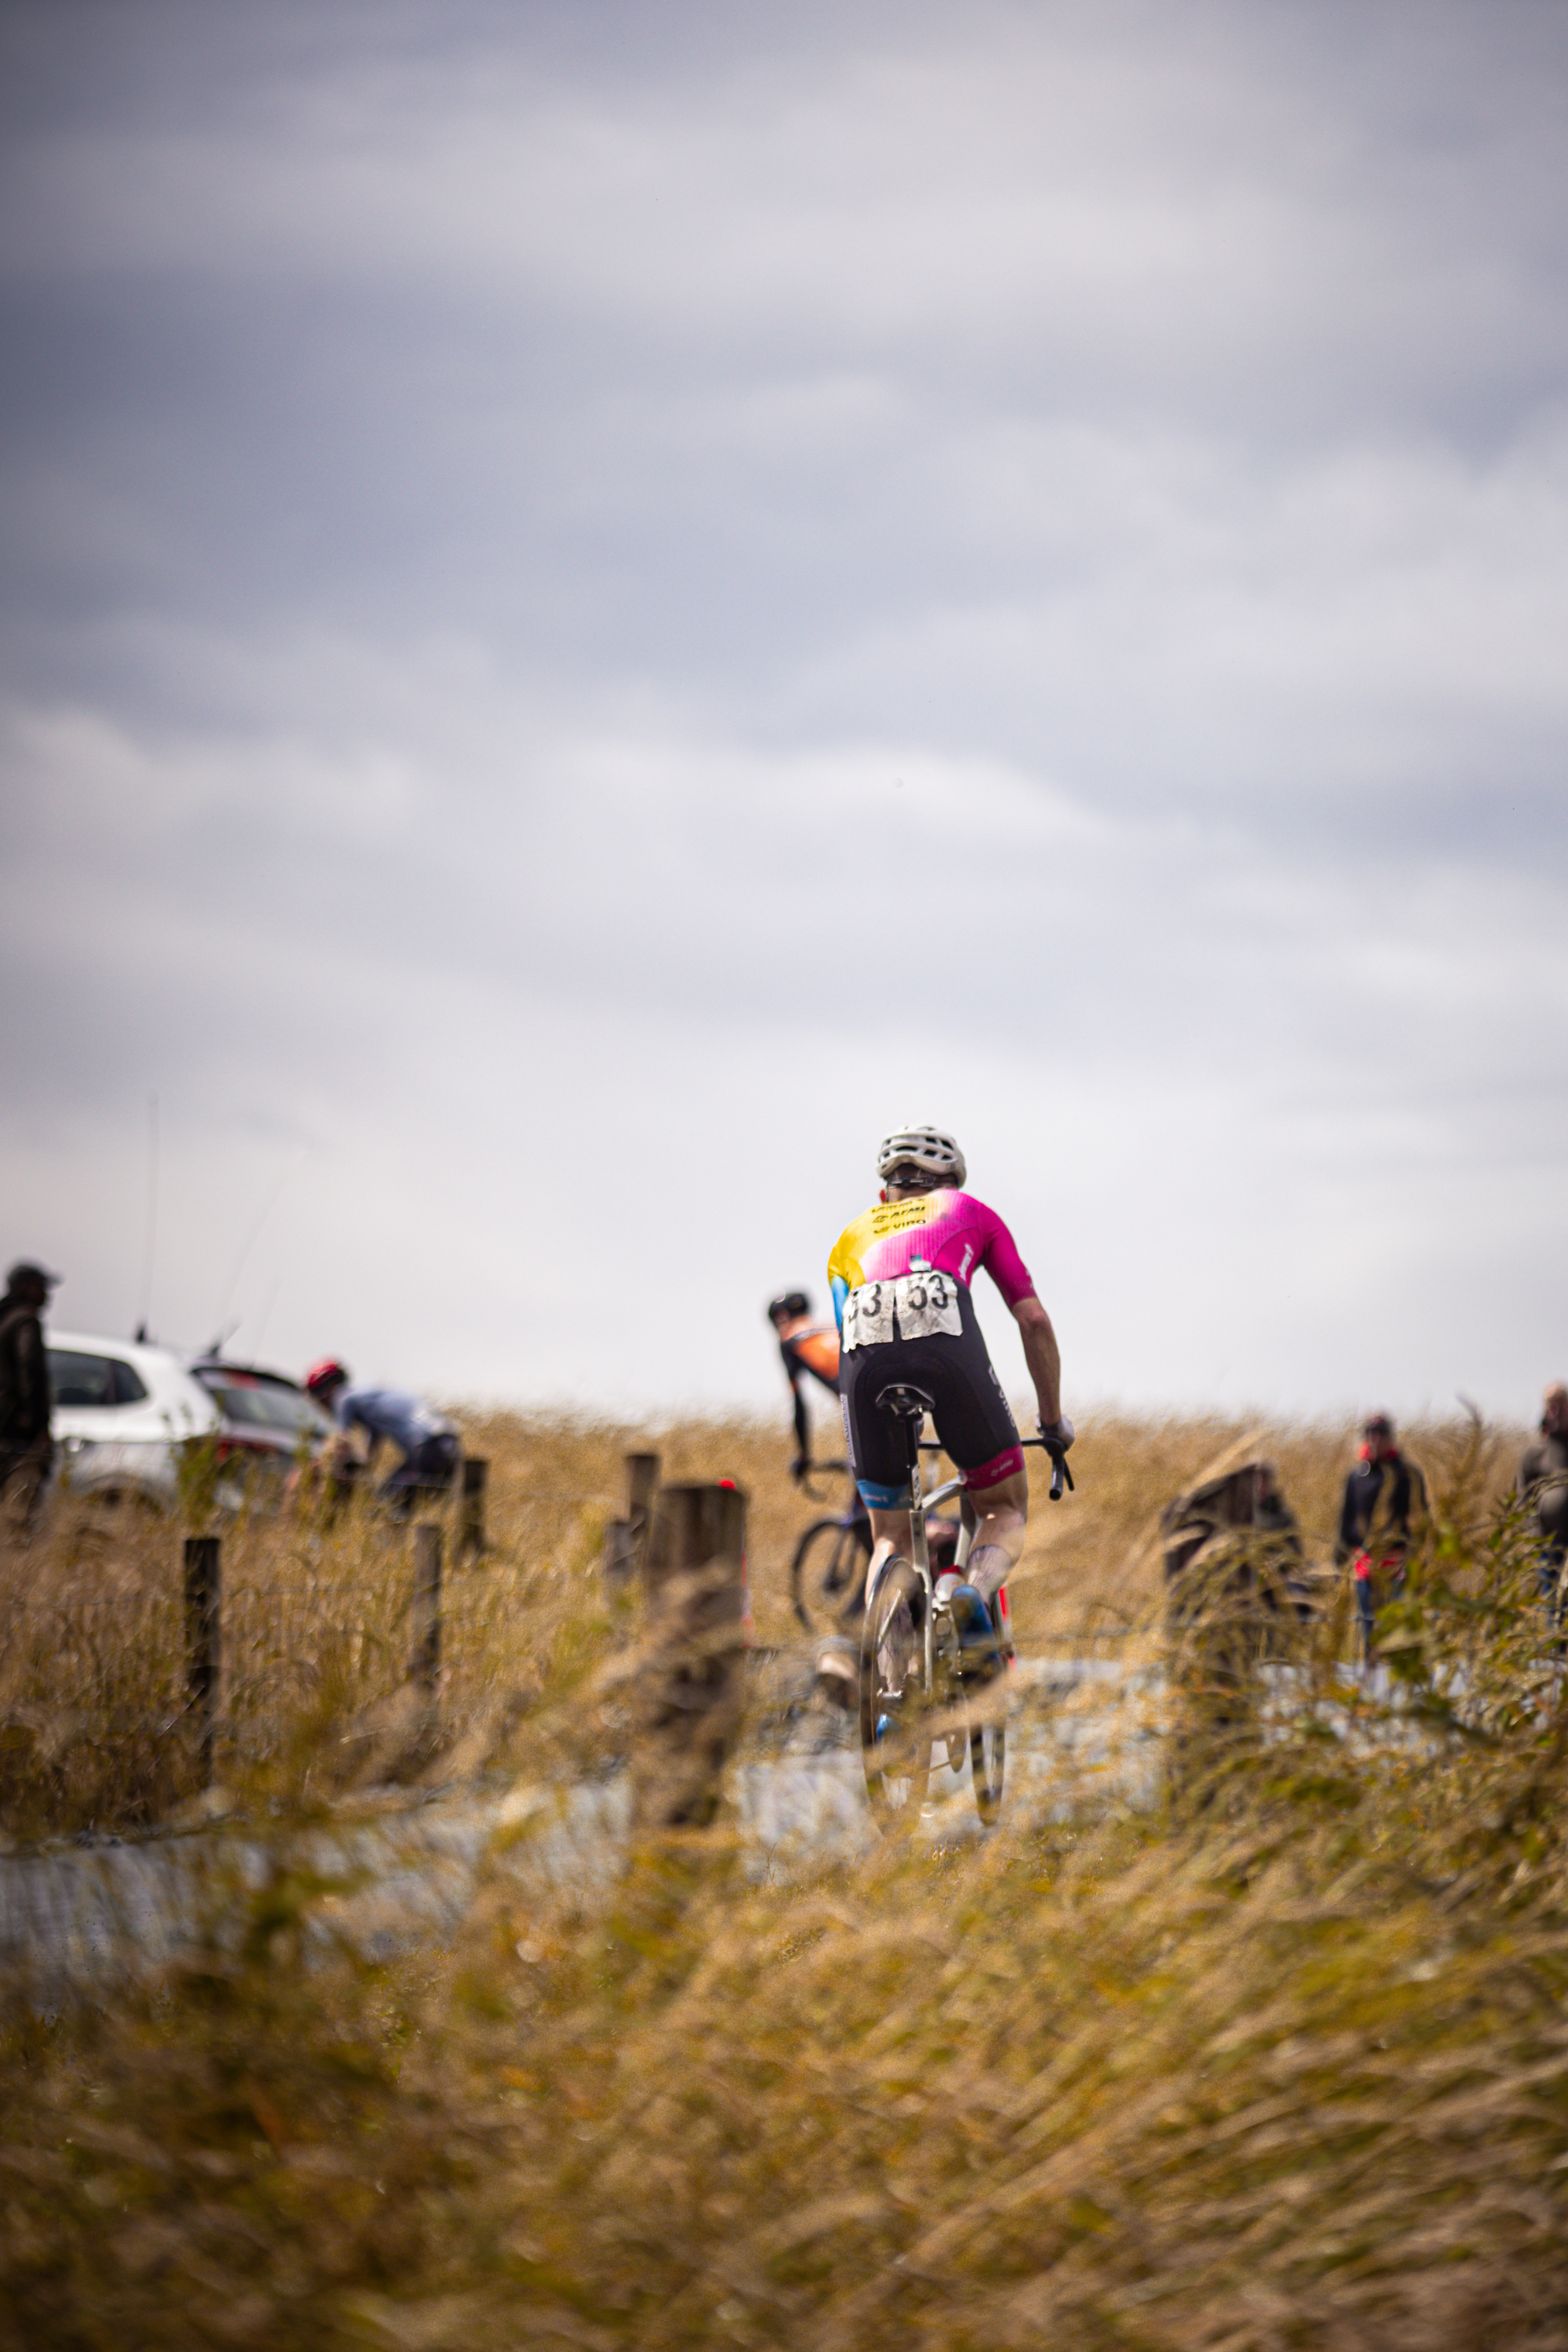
407, 1420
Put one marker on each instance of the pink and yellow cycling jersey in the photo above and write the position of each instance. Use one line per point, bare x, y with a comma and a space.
940, 1232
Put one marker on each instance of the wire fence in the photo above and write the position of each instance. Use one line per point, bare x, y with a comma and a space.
136, 1663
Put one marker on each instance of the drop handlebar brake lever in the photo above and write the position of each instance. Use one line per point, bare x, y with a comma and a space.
1060, 1474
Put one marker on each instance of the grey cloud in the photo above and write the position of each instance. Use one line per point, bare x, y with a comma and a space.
500, 497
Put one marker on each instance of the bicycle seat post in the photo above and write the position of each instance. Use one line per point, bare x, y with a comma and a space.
909, 1406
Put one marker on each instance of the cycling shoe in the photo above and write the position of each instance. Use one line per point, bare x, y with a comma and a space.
980, 1655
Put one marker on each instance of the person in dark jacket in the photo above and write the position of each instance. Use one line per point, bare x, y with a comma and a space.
1385, 1501
1543, 1487
26, 1449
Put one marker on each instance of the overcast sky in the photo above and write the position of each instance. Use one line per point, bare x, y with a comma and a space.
601, 603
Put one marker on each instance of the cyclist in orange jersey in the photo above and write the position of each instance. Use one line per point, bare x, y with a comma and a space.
806, 1347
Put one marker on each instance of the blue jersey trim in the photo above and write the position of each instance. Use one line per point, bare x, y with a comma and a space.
885, 1499
840, 1293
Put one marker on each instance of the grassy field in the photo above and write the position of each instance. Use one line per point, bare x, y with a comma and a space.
1281, 2063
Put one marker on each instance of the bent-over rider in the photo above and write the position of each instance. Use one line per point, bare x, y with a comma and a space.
425, 1438
900, 1276
807, 1348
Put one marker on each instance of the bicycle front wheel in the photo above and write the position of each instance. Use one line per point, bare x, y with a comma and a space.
895, 1705
826, 1572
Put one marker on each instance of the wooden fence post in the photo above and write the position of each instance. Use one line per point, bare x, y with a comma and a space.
693, 1574
625, 1540
425, 1665
203, 1635
471, 1520
642, 1486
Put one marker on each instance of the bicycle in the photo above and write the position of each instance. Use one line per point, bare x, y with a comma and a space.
828, 1570
908, 1632
829, 1562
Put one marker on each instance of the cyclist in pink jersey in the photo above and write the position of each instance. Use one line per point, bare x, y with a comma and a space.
941, 1232
900, 1277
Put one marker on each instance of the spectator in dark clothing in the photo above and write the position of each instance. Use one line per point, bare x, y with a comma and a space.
1543, 1487
26, 1449
1385, 1501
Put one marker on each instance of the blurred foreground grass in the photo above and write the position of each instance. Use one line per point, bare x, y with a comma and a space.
1282, 2064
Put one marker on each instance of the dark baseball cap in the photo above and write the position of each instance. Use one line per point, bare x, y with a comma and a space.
25, 1270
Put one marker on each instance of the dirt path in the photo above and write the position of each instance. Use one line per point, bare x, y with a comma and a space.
390, 1869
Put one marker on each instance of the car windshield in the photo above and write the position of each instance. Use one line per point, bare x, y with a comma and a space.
263, 1404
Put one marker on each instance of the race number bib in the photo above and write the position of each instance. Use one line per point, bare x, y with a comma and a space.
910, 1306
926, 1303
868, 1314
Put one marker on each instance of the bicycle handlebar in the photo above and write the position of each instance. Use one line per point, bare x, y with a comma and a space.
1060, 1474
1059, 1471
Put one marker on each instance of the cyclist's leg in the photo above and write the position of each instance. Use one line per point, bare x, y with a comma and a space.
878, 1450
1003, 1511
975, 1421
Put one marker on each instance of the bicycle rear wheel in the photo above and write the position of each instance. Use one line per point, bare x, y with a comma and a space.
826, 1572
987, 1766
987, 1699
895, 1705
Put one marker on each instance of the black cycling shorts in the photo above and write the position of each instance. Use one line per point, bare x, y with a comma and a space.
973, 1418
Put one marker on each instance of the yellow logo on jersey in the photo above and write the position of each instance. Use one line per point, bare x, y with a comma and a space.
881, 1224
898, 1216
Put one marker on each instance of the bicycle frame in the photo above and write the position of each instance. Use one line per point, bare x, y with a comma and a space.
964, 1729
921, 1550
920, 1555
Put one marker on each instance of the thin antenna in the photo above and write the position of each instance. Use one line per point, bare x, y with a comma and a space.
254, 1235
266, 1315
151, 1216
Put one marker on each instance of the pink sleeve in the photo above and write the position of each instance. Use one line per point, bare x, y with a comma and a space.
999, 1256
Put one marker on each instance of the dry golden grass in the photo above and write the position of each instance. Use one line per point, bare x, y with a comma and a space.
1283, 2064
315, 1626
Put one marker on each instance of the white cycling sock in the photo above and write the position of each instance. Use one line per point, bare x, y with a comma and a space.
989, 1568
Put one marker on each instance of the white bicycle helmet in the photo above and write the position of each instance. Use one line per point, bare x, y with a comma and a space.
925, 1148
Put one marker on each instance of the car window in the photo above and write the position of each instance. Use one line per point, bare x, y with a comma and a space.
263, 1404
78, 1378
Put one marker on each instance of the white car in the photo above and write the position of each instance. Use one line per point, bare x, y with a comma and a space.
119, 1411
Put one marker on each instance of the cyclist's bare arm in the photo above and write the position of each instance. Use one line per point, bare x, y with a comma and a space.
1042, 1355
1003, 1510
802, 1426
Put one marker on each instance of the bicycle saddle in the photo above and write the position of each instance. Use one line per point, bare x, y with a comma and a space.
904, 1402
